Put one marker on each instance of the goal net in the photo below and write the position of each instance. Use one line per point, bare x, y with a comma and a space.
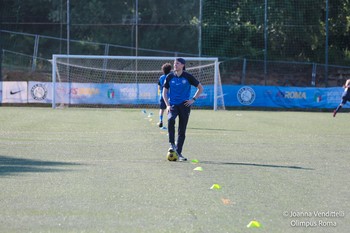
126, 81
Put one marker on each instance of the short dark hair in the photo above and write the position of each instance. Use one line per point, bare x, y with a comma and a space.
166, 68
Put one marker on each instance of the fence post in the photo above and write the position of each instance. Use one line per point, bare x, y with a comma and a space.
35, 53
104, 66
313, 81
265, 40
106, 49
244, 71
1, 51
326, 45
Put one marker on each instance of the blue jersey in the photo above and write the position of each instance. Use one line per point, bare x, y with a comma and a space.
179, 87
161, 84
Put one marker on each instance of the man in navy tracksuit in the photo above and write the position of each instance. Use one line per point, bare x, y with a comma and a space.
178, 102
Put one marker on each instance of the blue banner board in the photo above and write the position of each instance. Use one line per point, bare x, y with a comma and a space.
282, 97
147, 93
107, 93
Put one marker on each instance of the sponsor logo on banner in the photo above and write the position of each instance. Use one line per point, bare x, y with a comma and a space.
295, 95
246, 95
318, 98
14, 92
291, 94
128, 93
280, 94
78, 92
84, 91
334, 97
38, 92
203, 96
111, 93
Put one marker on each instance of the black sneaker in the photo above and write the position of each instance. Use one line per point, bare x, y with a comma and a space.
160, 124
181, 158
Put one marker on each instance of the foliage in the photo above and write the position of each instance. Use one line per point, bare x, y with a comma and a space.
296, 30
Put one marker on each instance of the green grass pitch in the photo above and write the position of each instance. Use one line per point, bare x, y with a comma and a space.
105, 170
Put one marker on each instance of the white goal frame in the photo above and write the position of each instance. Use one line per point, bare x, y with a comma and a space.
215, 61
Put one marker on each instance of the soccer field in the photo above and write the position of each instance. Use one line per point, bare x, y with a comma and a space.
104, 170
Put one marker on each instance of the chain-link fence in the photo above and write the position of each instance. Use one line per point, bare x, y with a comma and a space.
299, 43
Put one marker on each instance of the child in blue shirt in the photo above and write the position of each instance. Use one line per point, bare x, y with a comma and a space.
166, 68
345, 97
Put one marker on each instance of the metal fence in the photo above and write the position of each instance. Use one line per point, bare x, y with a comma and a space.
283, 73
35, 60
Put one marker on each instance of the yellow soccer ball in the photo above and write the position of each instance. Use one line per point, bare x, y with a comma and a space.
172, 156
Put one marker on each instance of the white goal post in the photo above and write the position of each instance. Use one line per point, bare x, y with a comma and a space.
126, 81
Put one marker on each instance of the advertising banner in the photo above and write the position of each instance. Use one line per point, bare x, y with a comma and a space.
106, 93
206, 99
39, 92
147, 93
14, 92
282, 97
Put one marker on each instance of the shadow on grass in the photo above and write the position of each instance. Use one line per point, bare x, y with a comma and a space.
256, 165
14, 166
208, 129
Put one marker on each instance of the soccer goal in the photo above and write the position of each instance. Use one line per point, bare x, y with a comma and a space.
126, 81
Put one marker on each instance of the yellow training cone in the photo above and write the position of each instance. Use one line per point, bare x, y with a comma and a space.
254, 224
215, 186
194, 161
198, 169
